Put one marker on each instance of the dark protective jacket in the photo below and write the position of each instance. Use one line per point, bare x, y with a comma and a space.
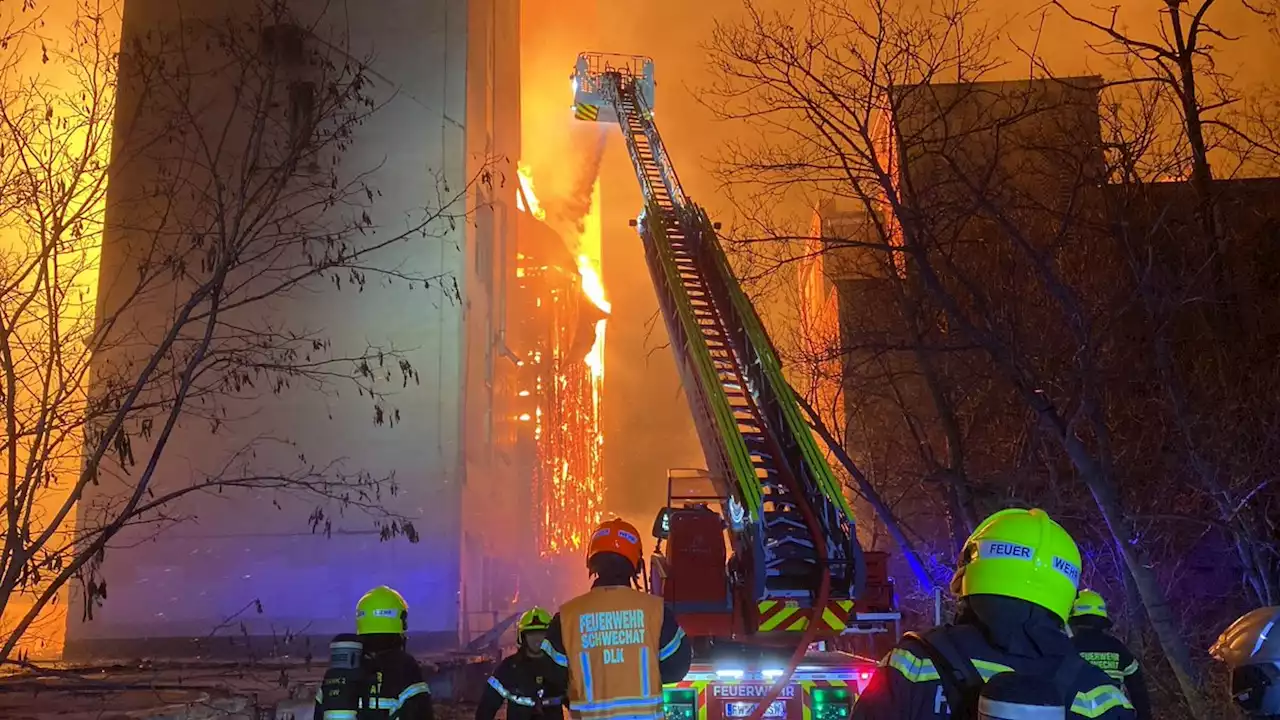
998, 635
530, 686
609, 644
1108, 654
387, 685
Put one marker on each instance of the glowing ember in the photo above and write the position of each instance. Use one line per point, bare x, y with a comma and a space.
526, 194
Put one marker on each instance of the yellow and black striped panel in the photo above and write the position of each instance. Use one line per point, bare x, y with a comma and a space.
777, 615
589, 113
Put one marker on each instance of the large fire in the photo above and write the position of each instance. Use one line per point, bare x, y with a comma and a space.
567, 379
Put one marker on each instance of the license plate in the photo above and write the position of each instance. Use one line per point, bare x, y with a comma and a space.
777, 709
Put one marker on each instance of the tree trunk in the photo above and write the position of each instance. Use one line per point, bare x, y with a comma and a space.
869, 492
960, 509
1135, 617
1163, 622
1208, 211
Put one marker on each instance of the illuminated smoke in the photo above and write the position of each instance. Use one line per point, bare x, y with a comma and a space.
576, 207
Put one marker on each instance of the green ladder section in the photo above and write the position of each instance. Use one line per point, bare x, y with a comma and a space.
749, 423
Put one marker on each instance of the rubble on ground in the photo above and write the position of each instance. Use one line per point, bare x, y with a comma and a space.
169, 694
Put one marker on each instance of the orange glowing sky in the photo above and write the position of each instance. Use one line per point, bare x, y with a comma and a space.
643, 409
58, 75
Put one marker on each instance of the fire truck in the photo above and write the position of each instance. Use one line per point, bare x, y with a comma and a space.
758, 554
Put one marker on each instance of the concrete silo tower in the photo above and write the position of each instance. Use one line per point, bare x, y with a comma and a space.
444, 74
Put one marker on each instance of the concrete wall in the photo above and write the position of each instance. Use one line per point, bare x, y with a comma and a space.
498, 548
238, 547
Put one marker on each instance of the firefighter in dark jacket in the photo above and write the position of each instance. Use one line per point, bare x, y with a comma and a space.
526, 680
1016, 582
1089, 625
371, 676
617, 645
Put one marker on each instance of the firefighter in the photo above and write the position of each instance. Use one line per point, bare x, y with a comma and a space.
1250, 648
1089, 625
1015, 585
525, 680
371, 676
617, 644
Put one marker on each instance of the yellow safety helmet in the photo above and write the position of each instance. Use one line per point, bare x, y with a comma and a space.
1089, 602
382, 611
535, 620
1021, 554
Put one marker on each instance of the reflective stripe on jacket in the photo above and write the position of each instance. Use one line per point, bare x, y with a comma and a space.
1106, 652
531, 686
374, 708
908, 686
612, 639
523, 700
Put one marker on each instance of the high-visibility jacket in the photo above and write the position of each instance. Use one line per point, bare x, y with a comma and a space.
618, 647
908, 686
529, 685
1107, 653
387, 686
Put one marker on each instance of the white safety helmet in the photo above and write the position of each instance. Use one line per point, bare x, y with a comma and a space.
1251, 649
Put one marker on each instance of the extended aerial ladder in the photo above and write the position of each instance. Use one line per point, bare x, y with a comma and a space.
788, 516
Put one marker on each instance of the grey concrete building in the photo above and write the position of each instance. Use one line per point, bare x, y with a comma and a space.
444, 75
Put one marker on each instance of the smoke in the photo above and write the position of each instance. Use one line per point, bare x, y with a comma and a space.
573, 208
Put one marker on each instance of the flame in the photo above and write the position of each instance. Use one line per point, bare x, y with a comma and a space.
589, 266
593, 288
592, 285
595, 358
527, 195
564, 390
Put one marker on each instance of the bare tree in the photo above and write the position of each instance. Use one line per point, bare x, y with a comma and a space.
229, 193
1177, 84
990, 201
908, 422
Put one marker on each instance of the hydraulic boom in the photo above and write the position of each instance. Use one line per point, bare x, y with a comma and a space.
789, 518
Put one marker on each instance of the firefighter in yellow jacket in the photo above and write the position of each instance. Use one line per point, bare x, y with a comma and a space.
617, 644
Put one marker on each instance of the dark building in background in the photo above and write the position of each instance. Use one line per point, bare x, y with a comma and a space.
977, 163
956, 152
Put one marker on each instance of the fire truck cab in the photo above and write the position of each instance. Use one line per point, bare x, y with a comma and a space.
737, 660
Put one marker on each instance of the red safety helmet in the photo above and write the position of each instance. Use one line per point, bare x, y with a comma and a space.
619, 537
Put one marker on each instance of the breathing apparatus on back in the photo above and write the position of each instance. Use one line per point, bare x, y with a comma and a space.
346, 684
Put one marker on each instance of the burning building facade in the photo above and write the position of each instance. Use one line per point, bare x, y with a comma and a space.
560, 330
496, 450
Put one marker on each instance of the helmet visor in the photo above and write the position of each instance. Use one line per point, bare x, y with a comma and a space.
1256, 689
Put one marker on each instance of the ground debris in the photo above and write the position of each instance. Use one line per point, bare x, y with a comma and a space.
141, 693
199, 691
